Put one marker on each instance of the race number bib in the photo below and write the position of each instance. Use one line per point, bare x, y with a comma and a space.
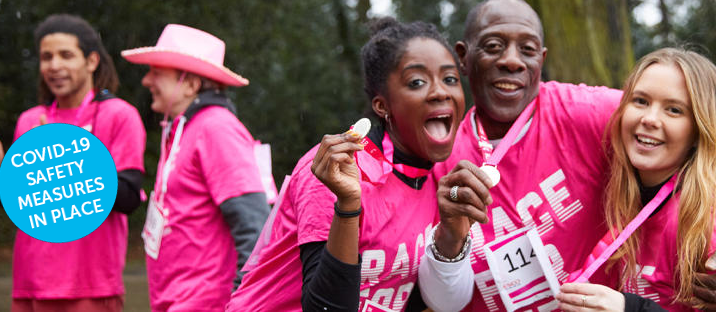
153, 228
521, 269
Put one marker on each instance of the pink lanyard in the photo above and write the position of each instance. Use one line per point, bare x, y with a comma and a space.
492, 159
594, 261
166, 162
53, 108
374, 151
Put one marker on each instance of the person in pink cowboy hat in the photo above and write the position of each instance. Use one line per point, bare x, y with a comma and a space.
77, 78
208, 202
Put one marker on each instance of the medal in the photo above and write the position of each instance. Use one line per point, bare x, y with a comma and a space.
492, 156
361, 127
492, 173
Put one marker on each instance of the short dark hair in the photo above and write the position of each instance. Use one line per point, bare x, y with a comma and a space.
206, 83
382, 53
471, 19
474, 14
104, 77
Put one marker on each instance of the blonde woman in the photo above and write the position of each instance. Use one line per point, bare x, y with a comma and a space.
662, 134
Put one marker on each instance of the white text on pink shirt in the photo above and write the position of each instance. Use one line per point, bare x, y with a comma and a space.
561, 210
641, 286
374, 266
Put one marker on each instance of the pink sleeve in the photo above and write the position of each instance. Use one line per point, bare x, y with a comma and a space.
584, 108
27, 120
226, 155
606, 100
128, 138
313, 202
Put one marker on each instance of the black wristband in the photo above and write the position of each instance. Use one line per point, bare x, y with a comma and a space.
342, 214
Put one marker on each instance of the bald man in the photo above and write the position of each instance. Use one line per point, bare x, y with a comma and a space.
552, 174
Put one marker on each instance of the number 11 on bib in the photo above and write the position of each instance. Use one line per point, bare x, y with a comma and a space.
521, 269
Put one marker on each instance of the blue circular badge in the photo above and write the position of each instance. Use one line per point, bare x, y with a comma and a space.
58, 183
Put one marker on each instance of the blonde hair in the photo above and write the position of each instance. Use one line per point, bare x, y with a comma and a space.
696, 176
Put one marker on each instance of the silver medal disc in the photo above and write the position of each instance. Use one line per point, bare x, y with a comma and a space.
361, 127
491, 173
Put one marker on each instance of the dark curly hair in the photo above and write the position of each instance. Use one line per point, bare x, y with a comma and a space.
382, 53
104, 77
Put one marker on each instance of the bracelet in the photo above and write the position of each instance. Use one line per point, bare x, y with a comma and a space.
342, 214
459, 257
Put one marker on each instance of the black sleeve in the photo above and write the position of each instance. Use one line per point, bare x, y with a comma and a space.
415, 301
328, 283
128, 184
245, 215
633, 303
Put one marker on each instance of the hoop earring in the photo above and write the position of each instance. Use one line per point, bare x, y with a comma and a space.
387, 120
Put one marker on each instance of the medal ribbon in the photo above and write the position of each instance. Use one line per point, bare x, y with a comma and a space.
374, 151
492, 159
596, 259
166, 163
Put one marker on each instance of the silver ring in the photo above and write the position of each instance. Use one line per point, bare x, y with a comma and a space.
453, 193
584, 300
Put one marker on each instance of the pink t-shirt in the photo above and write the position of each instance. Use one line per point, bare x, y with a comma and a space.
197, 259
91, 266
658, 258
394, 224
553, 178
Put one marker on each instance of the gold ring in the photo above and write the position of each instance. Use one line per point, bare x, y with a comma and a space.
584, 300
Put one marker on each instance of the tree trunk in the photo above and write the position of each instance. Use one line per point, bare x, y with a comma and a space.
588, 41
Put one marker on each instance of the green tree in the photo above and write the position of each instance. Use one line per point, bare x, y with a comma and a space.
698, 31
588, 41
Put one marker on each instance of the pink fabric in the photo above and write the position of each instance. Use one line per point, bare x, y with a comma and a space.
552, 178
91, 266
103, 304
197, 259
601, 254
266, 232
373, 173
262, 153
658, 257
493, 156
372, 170
598, 250
394, 225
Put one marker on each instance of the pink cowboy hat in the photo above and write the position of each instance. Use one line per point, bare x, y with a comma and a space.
188, 49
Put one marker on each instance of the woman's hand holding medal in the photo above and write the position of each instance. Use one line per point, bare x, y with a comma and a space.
335, 166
